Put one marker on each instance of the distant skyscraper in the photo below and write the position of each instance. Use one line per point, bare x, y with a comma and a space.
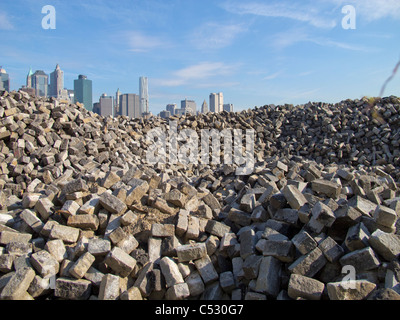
171, 108
165, 114
29, 78
40, 82
228, 107
189, 106
204, 107
57, 83
144, 94
117, 99
216, 102
105, 106
4, 80
83, 92
129, 105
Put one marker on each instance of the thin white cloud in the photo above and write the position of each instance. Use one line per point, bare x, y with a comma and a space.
282, 9
195, 73
5, 23
288, 38
273, 76
212, 35
140, 42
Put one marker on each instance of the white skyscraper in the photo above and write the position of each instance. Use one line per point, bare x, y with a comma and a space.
216, 102
144, 94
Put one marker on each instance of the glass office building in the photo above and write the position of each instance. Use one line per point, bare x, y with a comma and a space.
83, 92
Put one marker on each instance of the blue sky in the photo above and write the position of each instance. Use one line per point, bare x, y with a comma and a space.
255, 52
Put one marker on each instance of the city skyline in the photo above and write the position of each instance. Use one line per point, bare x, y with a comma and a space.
256, 53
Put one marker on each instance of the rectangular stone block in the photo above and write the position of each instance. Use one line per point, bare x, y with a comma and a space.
121, 262
294, 197
112, 204
217, 228
190, 252
304, 242
44, 263
17, 286
84, 221
195, 284
182, 223
65, 233
305, 287
331, 249
82, 265
328, 188
269, 276
385, 244
308, 265
362, 260
162, 230
206, 269
109, 287
171, 272
323, 214
8, 236
385, 216
98, 246
73, 289
32, 220
138, 190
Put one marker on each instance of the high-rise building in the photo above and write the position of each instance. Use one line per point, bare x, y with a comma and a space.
216, 102
40, 82
116, 101
171, 108
165, 114
4, 80
83, 92
144, 94
204, 107
105, 106
57, 83
29, 78
129, 105
189, 106
228, 107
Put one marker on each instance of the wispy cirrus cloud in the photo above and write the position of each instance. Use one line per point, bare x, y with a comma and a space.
194, 74
309, 14
282, 40
212, 35
5, 23
138, 41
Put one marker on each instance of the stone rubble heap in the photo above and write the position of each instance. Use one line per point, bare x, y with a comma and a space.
82, 216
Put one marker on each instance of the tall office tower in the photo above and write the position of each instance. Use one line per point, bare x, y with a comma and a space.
105, 106
4, 80
189, 106
29, 78
83, 92
228, 107
171, 108
204, 107
116, 101
57, 83
216, 102
40, 82
165, 114
144, 94
129, 105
